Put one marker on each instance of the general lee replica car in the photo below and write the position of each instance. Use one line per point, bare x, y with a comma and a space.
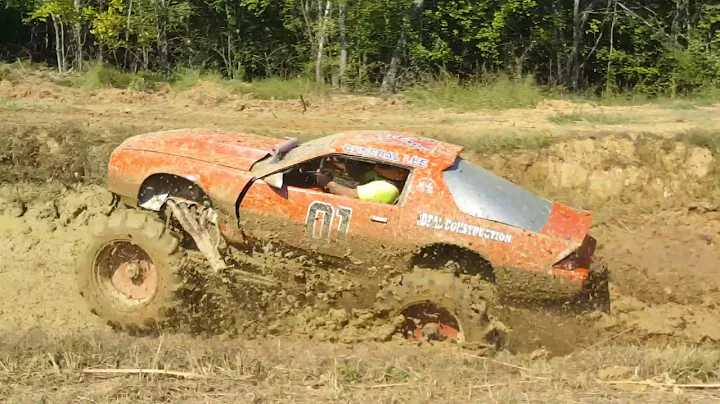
439, 253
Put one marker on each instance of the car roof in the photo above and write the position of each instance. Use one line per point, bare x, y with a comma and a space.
400, 147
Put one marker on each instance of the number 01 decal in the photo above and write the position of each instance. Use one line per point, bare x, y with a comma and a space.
325, 214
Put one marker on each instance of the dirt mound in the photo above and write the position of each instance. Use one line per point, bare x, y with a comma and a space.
118, 96
613, 167
671, 258
31, 92
205, 93
68, 154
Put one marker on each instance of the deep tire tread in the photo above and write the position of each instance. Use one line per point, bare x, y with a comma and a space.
147, 231
469, 303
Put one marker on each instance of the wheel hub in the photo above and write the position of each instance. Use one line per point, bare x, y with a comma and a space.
135, 280
126, 272
429, 321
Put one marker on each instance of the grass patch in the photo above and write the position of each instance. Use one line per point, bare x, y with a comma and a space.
11, 105
6, 72
504, 143
184, 79
701, 138
278, 89
700, 98
563, 118
45, 368
496, 93
267, 89
98, 76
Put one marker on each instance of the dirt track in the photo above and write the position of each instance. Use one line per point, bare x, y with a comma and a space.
657, 223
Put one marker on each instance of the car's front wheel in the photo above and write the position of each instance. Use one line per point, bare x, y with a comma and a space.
129, 273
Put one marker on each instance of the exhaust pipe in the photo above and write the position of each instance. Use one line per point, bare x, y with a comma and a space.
284, 147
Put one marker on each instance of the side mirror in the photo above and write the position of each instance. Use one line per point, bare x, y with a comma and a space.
275, 180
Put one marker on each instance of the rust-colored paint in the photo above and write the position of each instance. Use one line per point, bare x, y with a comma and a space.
373, 233
228, 149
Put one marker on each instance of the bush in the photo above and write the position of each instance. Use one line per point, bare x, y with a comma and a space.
495, 92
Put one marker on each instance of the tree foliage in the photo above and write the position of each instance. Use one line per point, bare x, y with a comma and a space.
666, 47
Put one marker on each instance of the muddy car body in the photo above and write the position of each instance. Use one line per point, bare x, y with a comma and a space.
448, 210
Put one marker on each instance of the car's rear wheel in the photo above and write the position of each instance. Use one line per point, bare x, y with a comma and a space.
439, 305
129, 273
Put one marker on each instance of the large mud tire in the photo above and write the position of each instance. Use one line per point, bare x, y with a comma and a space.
146, 231
467, 301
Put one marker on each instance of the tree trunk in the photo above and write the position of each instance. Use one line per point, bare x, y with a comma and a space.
610, 81
573, 68
361, 69
77, 32
390, 79
127, 34
231, 22
321, 43
162, 37
58, 51
343, 43
62, 45
305, 9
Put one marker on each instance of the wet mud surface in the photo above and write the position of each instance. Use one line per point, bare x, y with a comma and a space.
661, 255
44, 228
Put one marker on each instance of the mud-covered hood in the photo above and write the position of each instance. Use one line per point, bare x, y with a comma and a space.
236, 150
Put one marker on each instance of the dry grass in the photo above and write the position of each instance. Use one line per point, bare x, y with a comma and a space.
563, 118
35, 368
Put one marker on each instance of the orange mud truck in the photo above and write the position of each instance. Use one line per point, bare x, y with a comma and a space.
440, 254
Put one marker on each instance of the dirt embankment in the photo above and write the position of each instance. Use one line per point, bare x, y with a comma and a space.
658, 241
656, 204
625, 172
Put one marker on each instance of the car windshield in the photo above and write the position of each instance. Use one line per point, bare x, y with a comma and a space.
480, 193
300, 153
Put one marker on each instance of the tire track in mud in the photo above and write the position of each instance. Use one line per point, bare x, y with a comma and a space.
43, 230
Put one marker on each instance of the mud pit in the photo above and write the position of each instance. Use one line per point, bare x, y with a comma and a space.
662, 269
656, 221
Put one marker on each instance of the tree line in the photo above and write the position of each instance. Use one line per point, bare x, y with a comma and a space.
657, 47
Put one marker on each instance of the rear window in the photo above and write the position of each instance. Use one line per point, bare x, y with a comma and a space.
480, 193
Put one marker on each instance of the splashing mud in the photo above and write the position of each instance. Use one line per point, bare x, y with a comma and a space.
44, 228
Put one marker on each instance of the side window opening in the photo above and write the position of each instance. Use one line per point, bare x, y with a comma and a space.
350, 173
303, 175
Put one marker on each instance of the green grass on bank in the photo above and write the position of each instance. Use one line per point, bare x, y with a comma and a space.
496, 93
493, 92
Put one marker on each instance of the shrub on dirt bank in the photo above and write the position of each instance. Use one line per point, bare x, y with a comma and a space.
490, 93
97, 76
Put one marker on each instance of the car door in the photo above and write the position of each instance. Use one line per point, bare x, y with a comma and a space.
311, 219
